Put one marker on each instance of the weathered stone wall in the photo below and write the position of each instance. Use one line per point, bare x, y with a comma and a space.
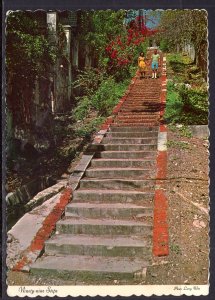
17, 201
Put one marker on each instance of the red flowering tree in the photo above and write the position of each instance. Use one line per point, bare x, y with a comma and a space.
121, 49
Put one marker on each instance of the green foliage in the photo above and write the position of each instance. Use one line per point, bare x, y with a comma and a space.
180, 27
88, 80
175, 248
177, 144
180, 64
86, 130
184, 25
194, 100
102, 100
82, 109
98, 28
184, 131
140, 48
174, 104
101, 26
107, 96
164, 46
179, 58
172, 127
109, 42
185, 104
29, 55
28, 51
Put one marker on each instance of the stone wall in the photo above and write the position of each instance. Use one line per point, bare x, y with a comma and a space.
17, 201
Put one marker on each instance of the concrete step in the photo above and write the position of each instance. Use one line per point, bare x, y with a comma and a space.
145, 94
122, 163
109, 210
123, 147
141, 134
104, 226
141, 106
138, 97
153, 110
120, 172
137, 119
106, 232
140, 101
136, 107
136, 93
127, 154
84, 268
149, 123
117, 183
114, 140
113, 196
141, 113
118, 246
154, 121
133, 129
144, 102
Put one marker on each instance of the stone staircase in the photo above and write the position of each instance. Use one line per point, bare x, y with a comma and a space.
106, 233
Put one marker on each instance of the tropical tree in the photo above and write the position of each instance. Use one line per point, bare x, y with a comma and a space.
28, 56
180, 27
113, 40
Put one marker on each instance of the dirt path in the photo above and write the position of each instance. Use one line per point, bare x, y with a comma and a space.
187, 192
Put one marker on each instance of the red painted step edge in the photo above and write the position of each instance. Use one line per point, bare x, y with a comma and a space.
45, 231
160, 229
116, 109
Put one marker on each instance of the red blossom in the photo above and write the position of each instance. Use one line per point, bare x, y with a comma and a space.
114, 54
120, 51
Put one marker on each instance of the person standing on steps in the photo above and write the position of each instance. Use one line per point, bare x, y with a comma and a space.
155, 63
142, 65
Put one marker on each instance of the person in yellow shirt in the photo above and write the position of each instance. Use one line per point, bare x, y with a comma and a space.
142, 65
155, 63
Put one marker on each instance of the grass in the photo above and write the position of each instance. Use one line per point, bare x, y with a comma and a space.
175, 144
186, 104
175, 248
87, 129
101, 100
174, 104
183, 130
99, 103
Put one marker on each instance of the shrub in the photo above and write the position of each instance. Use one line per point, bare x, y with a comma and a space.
164, 46
174, 105
86, 130
89, 80
82, 109
107, 96
195, 105
103, 100
186, 106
